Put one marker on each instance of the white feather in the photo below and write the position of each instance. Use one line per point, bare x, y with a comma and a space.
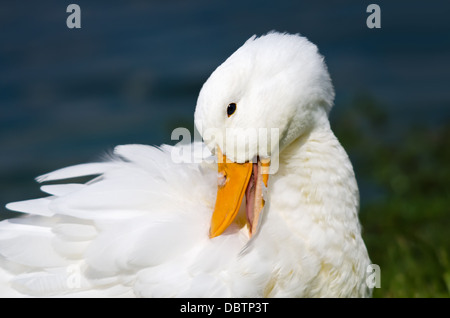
61, 189
34, 206
76, 171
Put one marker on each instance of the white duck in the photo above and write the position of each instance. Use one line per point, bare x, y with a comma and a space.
146, 227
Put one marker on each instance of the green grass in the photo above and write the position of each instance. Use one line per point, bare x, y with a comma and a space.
409, 241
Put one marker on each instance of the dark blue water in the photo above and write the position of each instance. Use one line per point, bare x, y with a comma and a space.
132, 73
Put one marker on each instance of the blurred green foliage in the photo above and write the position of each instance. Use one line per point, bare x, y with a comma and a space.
406, 220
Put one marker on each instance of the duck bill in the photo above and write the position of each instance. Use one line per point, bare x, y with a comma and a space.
235, 181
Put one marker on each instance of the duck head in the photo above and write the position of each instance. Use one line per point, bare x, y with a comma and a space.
268, 93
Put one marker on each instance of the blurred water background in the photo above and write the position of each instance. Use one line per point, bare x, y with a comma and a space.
132, 73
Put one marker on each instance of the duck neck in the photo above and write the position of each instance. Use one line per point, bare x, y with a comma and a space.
314, 198
315, 181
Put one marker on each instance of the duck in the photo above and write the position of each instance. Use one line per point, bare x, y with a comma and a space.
265, 205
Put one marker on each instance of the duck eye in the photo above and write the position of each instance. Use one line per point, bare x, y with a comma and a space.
231, 109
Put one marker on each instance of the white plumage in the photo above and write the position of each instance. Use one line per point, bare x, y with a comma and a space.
141, 226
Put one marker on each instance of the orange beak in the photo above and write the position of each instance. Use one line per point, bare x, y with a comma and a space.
235, 181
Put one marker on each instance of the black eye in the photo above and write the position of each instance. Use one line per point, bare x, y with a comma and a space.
231, 109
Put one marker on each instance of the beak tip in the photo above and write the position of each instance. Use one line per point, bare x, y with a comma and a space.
213, 234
